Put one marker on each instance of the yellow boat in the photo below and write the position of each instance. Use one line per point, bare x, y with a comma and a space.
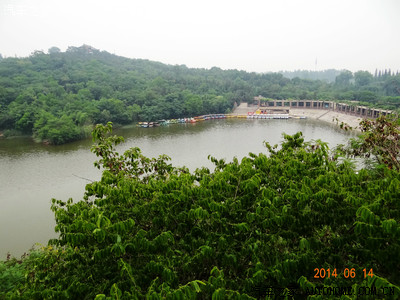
199, 118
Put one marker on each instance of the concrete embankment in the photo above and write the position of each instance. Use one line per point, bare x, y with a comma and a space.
329, 116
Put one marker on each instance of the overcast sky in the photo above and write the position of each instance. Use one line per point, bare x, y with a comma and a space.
251, 35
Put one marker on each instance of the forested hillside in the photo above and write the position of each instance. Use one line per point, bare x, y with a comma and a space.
58, 96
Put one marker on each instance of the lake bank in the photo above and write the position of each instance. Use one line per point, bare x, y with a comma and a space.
325, 115
329, 116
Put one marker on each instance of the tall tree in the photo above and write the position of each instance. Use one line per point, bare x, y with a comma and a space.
362, 78
54, 50
343, 79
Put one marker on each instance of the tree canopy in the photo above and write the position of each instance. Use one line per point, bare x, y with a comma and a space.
84, 86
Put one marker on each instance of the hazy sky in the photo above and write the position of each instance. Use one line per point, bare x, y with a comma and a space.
251, 35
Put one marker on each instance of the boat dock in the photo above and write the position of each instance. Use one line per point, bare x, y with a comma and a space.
249, 115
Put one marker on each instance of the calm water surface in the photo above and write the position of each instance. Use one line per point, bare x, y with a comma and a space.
32, 174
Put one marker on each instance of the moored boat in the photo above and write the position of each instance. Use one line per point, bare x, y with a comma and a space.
199, 118
143, 124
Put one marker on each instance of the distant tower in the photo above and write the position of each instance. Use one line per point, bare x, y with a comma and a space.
316, 62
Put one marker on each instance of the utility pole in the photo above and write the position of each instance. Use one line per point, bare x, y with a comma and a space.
316, 62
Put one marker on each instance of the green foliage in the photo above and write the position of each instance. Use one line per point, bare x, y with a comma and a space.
379, 141
362, 78
149, 230
344, 78
13, 272
56, 96
89, 86
57, 130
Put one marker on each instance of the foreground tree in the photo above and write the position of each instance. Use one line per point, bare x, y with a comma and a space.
379, 142
150, 230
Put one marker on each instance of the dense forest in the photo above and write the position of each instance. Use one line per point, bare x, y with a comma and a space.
58, 96
295, 222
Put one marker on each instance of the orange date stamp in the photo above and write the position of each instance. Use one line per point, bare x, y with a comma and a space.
347, 273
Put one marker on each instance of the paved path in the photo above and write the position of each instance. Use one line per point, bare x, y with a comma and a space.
243, 109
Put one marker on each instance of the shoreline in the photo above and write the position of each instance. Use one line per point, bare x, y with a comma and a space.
329, 116
325, 115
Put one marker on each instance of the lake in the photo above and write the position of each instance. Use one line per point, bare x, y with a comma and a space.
32, 174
